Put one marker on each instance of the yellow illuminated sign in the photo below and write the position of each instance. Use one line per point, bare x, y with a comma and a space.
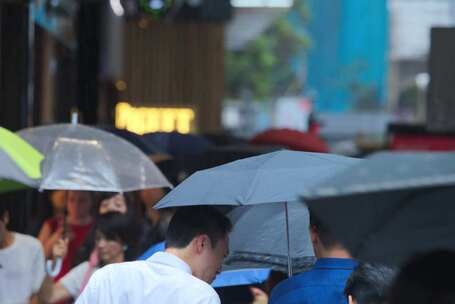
142, 120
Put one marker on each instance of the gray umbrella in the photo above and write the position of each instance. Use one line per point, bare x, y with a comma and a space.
265, 184
258, 237
391, 205
78, 157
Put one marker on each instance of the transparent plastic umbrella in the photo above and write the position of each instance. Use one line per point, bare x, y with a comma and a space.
78, 157
19, 162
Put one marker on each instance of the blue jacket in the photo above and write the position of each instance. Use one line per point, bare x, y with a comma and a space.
323, 284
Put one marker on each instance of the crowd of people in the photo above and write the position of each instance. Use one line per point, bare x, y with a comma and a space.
87, 231
97, 233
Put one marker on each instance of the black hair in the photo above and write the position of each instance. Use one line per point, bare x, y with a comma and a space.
189, 222
369, 283
119, 227
134, 214
328, 240
133, 205
91, 196
4, 208
426, 278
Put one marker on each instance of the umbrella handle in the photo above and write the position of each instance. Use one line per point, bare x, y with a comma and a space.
288, 239
65, 216
53, 269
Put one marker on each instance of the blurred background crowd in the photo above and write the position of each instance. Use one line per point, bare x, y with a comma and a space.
111, 103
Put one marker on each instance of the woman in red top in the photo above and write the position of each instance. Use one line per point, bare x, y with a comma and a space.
79, 220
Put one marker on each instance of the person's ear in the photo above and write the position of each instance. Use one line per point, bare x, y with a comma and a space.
6, 218
314, 235
201, 242
351, 300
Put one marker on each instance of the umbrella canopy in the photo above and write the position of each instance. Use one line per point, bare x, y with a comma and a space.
176, 143
292, 139
136, 139
78, 157
259, 239
19, 162
155, 153
269, 178
390, 206
262, 234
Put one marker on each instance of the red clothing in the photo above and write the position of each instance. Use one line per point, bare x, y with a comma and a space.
292, 139
77, 235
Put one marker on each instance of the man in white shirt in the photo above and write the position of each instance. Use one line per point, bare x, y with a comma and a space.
21, 263
196, 244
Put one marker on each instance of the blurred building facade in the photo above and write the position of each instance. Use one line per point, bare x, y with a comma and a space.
347, 62
86, 56
410, 26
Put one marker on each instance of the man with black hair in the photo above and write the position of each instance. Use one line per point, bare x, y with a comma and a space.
368, 284
196, 244
324, 283
21, 263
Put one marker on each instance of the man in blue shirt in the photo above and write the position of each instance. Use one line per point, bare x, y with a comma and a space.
325, 282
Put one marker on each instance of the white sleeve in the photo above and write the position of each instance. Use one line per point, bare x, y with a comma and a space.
92, 291
209, 300
98, 289
38, 271
72, 281
210, 297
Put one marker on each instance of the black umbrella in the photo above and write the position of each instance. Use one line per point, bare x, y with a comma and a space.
136, 139
391, 206
176, 143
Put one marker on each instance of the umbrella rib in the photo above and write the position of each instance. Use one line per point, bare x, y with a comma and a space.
256, 174
275, 261
109, 159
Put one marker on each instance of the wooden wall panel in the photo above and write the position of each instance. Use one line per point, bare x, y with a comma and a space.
176, 64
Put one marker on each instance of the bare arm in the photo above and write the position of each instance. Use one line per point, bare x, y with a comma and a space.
48, 239
53, 292
34, 300
260, 297
43, 237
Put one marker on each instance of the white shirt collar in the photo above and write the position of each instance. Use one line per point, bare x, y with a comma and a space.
170, 260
